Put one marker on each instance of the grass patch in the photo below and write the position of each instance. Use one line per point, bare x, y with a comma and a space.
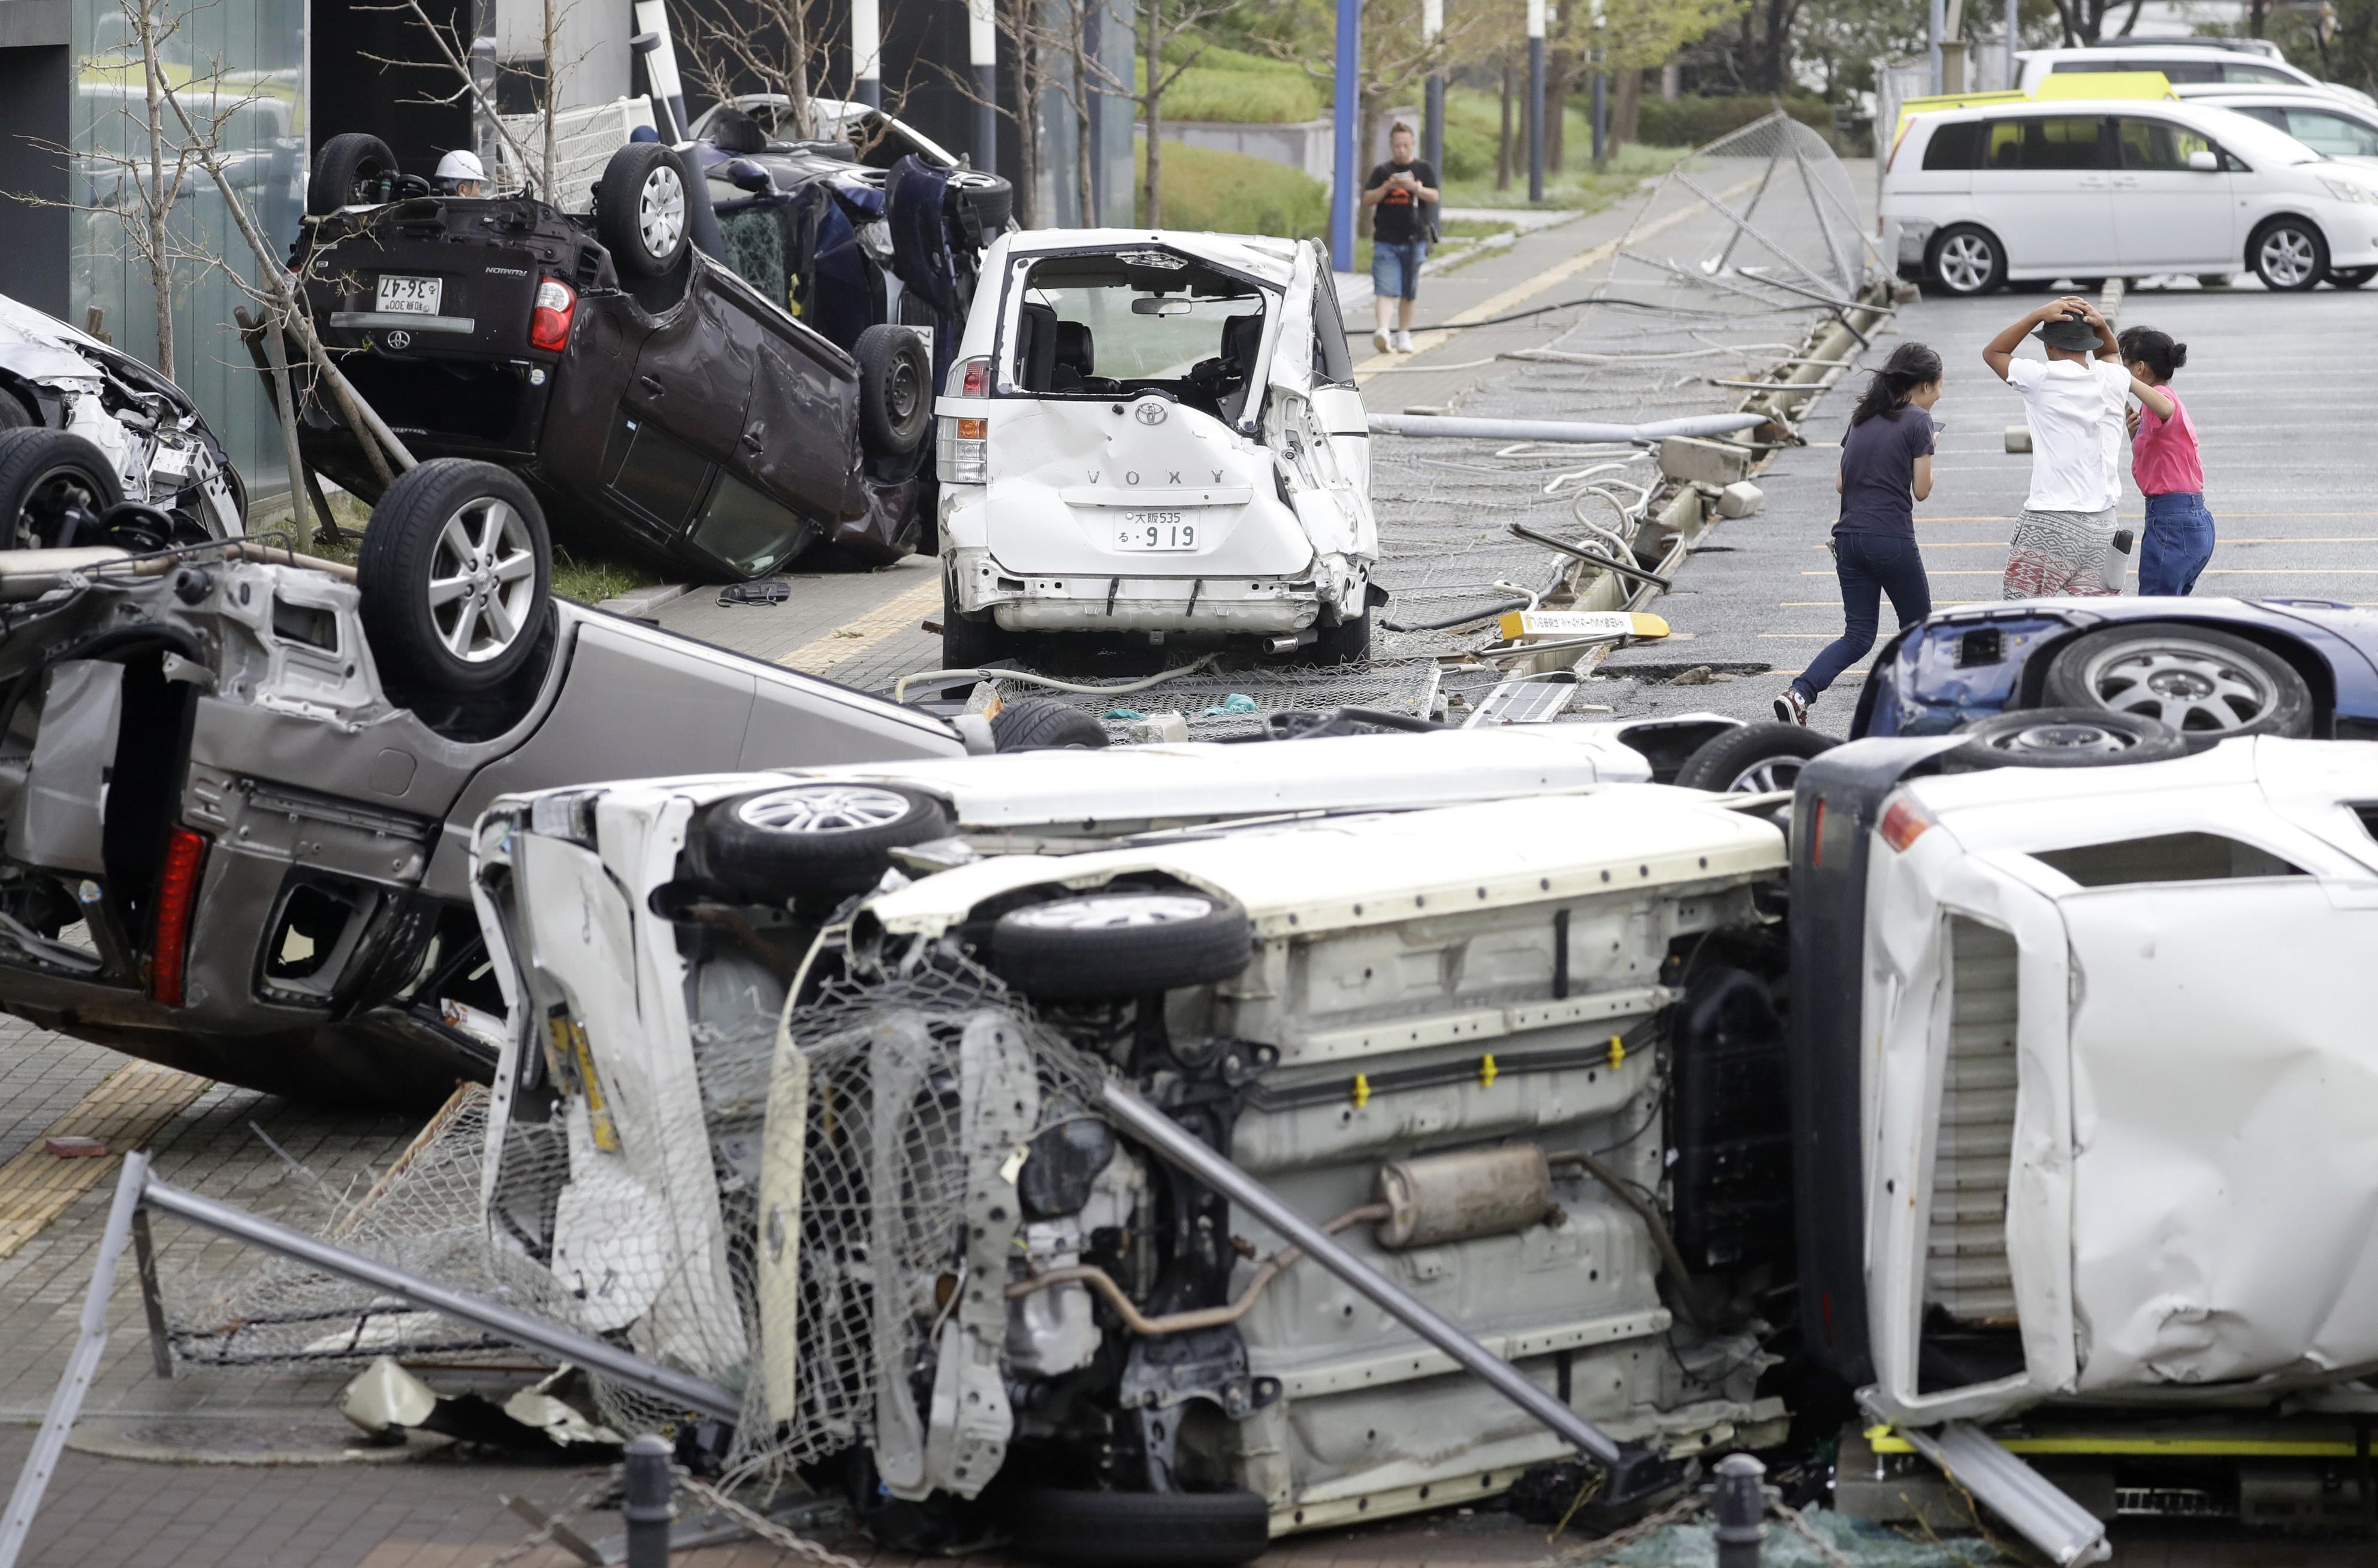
585, 581
1231, 192
1472, 119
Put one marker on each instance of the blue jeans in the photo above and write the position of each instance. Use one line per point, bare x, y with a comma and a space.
1394, 268
2178, 542
1869, 565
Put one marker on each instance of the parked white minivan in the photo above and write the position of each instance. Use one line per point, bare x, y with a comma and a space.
2235, 62
1995, 194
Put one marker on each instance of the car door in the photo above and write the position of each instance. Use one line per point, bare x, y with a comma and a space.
2335, 132
2046, 187
694, 375
2168, 213
1326, 489
1334, 397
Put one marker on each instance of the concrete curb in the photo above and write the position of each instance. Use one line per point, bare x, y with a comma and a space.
644, 601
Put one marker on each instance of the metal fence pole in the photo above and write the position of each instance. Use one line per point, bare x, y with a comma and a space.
650, 1508
1346, 109
1432, 136
1535, 100
91, 1343
1741, 1508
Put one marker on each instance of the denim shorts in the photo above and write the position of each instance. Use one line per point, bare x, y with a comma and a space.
2178, 542
1394, 268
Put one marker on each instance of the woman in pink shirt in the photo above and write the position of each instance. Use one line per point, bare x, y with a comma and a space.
2178, 537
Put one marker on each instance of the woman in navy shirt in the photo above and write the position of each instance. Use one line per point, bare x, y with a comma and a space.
1886, 469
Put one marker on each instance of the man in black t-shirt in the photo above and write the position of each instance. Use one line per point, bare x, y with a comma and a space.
1401, 193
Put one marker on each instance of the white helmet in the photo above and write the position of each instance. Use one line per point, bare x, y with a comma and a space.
459, 165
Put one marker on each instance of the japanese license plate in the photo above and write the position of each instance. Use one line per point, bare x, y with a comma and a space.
410, 296
1155, 530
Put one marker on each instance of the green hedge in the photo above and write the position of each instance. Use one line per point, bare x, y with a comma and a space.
1233, 193
1468, 155
1243, 88
1692, 121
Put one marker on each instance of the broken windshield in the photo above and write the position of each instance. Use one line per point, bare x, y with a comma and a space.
1118, 323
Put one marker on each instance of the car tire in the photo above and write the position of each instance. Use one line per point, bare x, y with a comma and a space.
1348, 642
1752, 759
2065, 737
2206, 684
455, 577
1141, 1529
46, 476
1043, 724
1104, 945
346, 160
14, 414
2351, 277
2288, 254
985, 201
643, 212
895, 390
806, 839
1966, 260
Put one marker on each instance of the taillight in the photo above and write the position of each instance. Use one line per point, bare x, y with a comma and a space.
177, 898
1904, 822
549, 324
962, 451
969, 378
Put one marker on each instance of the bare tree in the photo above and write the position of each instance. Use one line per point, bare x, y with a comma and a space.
455, 55
767, 45
1027, 45
1161, 22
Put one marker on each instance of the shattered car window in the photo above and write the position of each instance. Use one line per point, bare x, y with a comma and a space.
1098, 325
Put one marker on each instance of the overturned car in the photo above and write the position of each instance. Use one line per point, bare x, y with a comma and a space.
716, 388
1567, 1064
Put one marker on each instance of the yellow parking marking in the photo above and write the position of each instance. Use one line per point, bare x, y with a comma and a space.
1560, 272
897, 614
124, 1111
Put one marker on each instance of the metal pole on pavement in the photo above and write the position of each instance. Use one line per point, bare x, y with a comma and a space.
866, 53
1601, 91
1740, 1506
1169, 1137
1432, 134
982, 52
1345, 108
91, 1344
1936, 27
2015, 42
1536, 100
650, 1508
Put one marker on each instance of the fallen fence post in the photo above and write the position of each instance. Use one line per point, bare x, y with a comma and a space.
650, 1507
91, 1344
1568, 432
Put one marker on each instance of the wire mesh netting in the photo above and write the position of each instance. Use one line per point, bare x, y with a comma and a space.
844, 1236
1730, 263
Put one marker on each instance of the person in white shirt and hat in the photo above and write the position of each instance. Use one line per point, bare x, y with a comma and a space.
460, 172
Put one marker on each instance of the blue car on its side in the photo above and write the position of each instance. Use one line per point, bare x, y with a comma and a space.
2209, 669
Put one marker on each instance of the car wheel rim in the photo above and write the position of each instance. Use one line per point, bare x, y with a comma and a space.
1767, 776
900, 390
2187, 686
49, 501
482, 580
1112, 912
1965, 263
2062, 740
2287, 257
824, 809
660, 210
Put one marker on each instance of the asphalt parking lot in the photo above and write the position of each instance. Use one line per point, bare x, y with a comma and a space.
257, 1468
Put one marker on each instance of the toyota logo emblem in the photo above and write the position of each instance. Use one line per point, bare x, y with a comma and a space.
400, 339
1150, 412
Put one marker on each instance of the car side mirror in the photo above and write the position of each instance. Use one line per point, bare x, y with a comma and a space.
2204, 162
